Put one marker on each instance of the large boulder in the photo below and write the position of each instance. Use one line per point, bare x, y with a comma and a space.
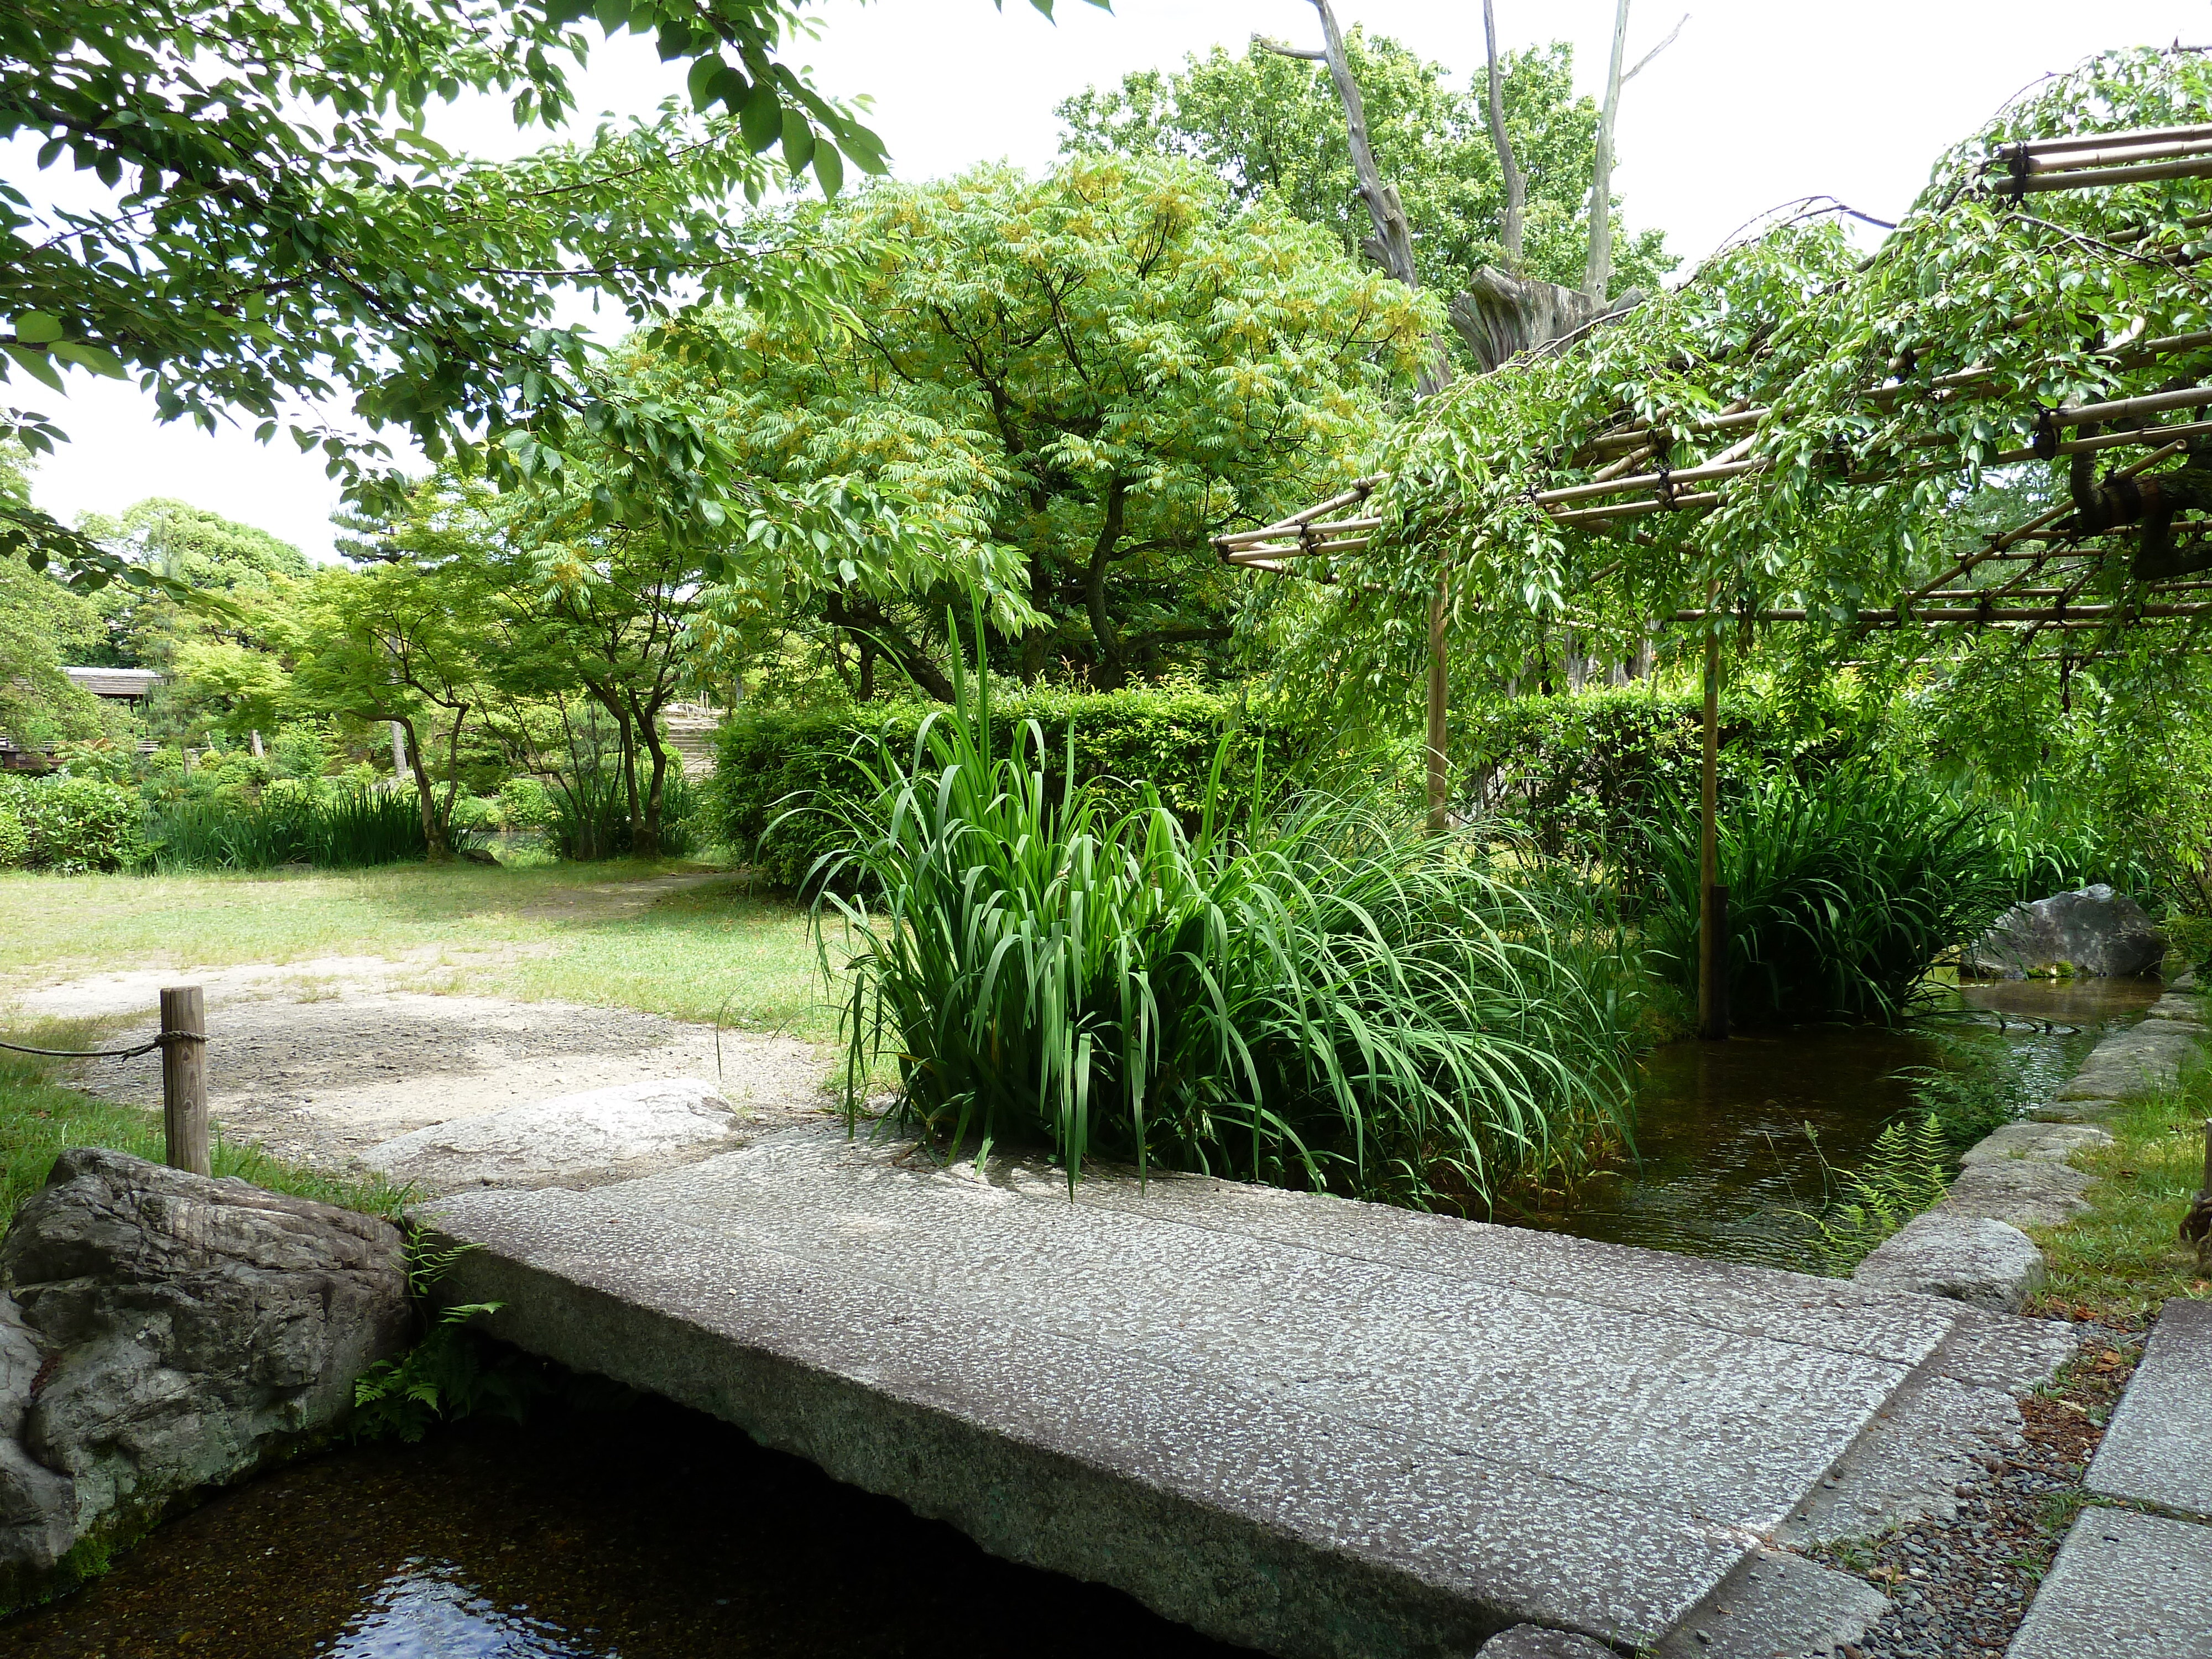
2095, 932
161, 1331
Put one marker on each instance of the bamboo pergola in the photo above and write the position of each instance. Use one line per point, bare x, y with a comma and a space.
1638, 471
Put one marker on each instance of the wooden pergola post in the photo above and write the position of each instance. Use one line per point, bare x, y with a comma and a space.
1713, 905
1439, 765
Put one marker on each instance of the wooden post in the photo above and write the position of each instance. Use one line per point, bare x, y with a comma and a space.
1712, 945
1439, 766
184, 1078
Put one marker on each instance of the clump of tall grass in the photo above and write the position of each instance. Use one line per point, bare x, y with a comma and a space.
1300, 992
342, 830
1842, 891
587, 816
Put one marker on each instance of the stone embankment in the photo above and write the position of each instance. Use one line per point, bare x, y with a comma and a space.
1971, 1246
161, 1331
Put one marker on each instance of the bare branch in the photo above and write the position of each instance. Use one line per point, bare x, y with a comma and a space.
1509, 171
1653, 52
1261, 43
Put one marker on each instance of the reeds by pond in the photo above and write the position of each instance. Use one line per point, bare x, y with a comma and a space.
1306, 992
344, 829
1842, 892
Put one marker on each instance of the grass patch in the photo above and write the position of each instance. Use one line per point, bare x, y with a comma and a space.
541, 933
42, 1116
2120, 1261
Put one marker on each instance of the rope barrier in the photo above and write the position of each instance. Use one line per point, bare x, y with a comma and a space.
106, 1053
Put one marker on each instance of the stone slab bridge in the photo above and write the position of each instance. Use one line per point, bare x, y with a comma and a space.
1307, 1425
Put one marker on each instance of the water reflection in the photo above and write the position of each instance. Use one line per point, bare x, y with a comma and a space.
1724, 1156
428, 1610
647, 1534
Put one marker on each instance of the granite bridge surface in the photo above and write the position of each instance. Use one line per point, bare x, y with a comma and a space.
1308, 1425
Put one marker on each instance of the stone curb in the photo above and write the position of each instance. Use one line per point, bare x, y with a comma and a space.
1970, 1247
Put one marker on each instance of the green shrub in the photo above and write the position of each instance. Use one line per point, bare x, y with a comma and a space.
523, 805
1902, 1177
474, 812
74, 824
1580, 776
819, 761
15, 840
1305, 993
1842, 892
589, 819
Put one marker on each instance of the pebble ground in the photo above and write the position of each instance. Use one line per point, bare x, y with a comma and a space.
1961, 1586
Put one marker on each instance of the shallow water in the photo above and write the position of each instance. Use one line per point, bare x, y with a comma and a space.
1731, 1136
650, 1533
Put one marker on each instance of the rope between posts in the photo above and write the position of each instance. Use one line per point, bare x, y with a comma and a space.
107, 1054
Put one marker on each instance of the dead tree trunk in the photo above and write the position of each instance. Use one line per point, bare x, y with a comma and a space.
1508, 170
1597, 270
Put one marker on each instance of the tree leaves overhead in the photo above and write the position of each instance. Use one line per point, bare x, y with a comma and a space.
1872, 460
1083, 376
271, 225
1267, 124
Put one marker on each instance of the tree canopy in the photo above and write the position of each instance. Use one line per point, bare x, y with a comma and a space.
1860, 407
259, 222
1270, 125
1088, 375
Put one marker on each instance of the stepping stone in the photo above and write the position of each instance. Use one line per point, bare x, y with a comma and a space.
2188, 1010
2130, 1062
569, 1140
1535, 1642
2159, 1449
1776, 1605
2019, 1192
2034, 1143
1969, 1258
2094, 1110
1324, 1429
2125, 1586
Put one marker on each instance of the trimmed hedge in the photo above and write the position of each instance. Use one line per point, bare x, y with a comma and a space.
772, 761
1579, 775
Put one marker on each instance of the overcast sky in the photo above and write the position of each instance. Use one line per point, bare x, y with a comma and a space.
1758, 102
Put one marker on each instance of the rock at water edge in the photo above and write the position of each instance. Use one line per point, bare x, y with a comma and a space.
1969, 1259
2093, 931
185, 1329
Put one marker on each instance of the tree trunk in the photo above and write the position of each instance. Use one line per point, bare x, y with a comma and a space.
1597, 273
433, 826
1391, 246
645, 839
1509, 171
1503, 315
1111, 670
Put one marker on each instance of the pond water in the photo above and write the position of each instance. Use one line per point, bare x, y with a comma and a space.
1730, 1137
647, 1533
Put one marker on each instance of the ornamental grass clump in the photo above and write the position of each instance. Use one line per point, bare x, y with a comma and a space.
1298, 993
1842, 892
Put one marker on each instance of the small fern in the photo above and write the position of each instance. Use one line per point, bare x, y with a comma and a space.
450, 1373
1902, 1177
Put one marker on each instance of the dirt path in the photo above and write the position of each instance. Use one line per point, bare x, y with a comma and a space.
322, 1059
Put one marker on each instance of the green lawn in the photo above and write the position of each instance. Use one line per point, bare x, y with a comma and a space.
532, 934
2121, 1260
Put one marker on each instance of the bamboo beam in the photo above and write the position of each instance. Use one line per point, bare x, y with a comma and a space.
2040, 162
1636, 510
1704, 473
2076, 615
2143, 434
2121, 409
2099, 140
2035, 183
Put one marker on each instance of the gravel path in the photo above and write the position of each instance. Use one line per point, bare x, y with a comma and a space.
1962, 1586
321, 1059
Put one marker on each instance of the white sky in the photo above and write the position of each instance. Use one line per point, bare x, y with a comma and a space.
1758, 102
